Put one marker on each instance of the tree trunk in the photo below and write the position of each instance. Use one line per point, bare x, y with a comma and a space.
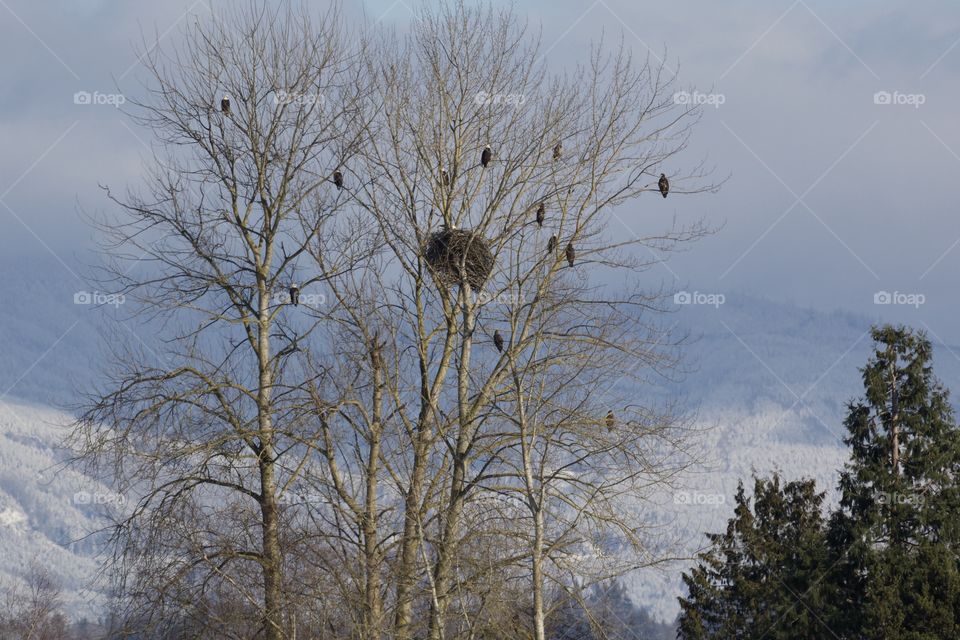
372, 603
537, 562
536, 501
407, 570
272, 557
894, 422
272, 571
446, 548
445, 552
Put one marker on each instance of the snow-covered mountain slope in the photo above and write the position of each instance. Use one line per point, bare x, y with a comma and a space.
47, 511
769, 384
772, 382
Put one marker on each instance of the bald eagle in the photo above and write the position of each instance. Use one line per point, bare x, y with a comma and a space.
225, 105
552, 244
557, 150
571, 254
294, 294
338, 179
611, 420
486, 156
541, 214
444, 177
664, 185
498, 341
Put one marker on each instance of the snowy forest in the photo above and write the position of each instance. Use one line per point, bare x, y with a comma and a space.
379, 362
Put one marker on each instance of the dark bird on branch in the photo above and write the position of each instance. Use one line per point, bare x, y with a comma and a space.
664, 185
338, 179
444, 177
571, 254
611, 420
375, 346
541, 214
225, 105
294, 294
498, 341
557, 150
552, 244
486, 156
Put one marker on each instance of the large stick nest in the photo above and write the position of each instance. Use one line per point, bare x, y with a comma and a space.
458, 255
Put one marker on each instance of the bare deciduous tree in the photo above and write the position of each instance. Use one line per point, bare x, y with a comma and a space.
464, 79
238, 194
371, 462
33, 610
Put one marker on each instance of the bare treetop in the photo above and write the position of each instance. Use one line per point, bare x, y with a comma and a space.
392, 280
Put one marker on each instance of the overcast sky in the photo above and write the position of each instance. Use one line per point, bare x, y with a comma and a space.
831, 197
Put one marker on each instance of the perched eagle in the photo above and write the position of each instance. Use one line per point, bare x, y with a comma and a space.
375, 351
486, 156
571, 254
541, 214
552, 244
611, 420
294, 294
338, 179
557, 150
498, 341
664, 185
444, 177
225, 105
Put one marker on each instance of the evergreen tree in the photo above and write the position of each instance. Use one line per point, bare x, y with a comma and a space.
895, 537
761, 579
888, 563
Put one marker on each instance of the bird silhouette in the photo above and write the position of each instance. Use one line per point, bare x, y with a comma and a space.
486, 156
611, 420
498, 341
664, 185
552, 244
375, 346
294, 294
225, 105
571, 254
338, 179
541, 214
557, 150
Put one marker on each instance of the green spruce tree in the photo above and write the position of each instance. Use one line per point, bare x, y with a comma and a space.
761, 579
894, 538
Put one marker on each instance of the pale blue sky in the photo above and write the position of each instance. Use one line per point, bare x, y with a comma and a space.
831, 197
